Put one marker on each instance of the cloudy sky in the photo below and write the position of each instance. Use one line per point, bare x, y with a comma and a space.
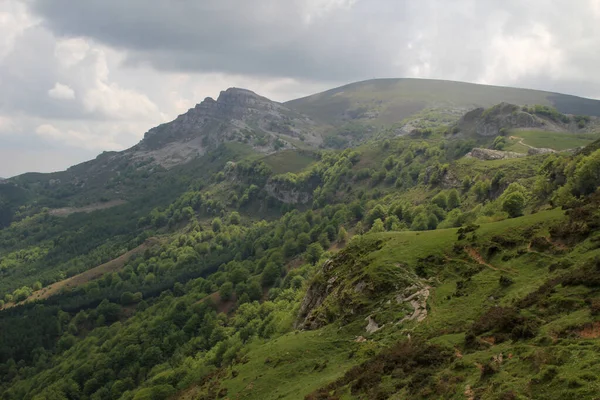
80, 77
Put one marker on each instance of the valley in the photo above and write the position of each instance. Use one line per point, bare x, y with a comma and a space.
388, 239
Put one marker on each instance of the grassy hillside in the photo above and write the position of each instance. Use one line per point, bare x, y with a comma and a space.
519, 140
394, 269
385, 101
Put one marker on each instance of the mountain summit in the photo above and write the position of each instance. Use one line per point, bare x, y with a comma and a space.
238, 115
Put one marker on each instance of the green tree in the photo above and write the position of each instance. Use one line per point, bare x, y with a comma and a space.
342, 235
127, 298
270, 274
514, 204
234, 218
378, 212
217, 225
587, 174
420, 223
313, 253
377, 226
453, 199
440, 200
226, 291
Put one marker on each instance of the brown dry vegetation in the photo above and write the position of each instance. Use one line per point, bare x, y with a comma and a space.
87, 276
66, 211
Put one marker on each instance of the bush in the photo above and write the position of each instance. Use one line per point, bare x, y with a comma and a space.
514, 204
226, 291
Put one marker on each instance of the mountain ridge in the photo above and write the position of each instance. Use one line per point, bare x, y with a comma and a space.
408, 96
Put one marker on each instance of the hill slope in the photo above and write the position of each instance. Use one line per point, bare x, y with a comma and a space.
383, 101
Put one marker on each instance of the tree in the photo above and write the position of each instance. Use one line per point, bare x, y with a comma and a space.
234, 218
313, 253
216, 225
499, 143
270, 274
377, 226
342, 236
375, 213
514, 204
453, 200
420, 223
127, 298
226, 291
36, 286
440, 200
254, 291
587, 174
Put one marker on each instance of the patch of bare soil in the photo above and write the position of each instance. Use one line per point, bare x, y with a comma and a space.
87, 276
66, 211
474, 254
590, 331
223, 306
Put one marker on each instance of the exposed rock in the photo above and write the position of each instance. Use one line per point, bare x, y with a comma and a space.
418, 301
360, 339
490, 122
487, 154
287, 195
237, 115
372, 326
315, 296
539, 150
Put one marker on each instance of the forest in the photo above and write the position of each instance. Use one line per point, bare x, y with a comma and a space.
232, 262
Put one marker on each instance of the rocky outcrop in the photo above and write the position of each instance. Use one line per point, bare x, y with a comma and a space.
238, 115
417, 300
315, 295
492, 121
533, 151
349, 286
288, 195
487, 154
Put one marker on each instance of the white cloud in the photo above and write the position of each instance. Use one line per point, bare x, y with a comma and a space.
7, 125
119, 82
514, 57
84, 139
61, 92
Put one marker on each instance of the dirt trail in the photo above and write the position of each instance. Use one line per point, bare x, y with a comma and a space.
66, 211
521, 141
87, 276
474, 254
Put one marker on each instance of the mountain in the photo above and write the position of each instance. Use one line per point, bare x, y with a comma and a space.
450, 254
386, 101
238, 115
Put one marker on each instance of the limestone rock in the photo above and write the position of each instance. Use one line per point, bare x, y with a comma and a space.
487, 154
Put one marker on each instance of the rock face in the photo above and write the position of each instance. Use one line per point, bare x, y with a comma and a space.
352, 285
314, 298
238, 115
487, 154
539, 150
287, 195
502, 116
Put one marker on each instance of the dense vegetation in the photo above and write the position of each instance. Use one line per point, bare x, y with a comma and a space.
259, 276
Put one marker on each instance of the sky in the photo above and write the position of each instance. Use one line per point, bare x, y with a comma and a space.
81, 77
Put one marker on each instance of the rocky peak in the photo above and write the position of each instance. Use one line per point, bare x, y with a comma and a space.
238, 115
490, 122
237, 96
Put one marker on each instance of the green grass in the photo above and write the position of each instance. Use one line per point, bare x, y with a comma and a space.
552, 140
392, 100
292, 365
289, 161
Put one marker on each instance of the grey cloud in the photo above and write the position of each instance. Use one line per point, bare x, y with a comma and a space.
268, 37
374, 38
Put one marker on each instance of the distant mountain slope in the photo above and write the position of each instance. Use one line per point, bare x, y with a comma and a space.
384, 101
238, 115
